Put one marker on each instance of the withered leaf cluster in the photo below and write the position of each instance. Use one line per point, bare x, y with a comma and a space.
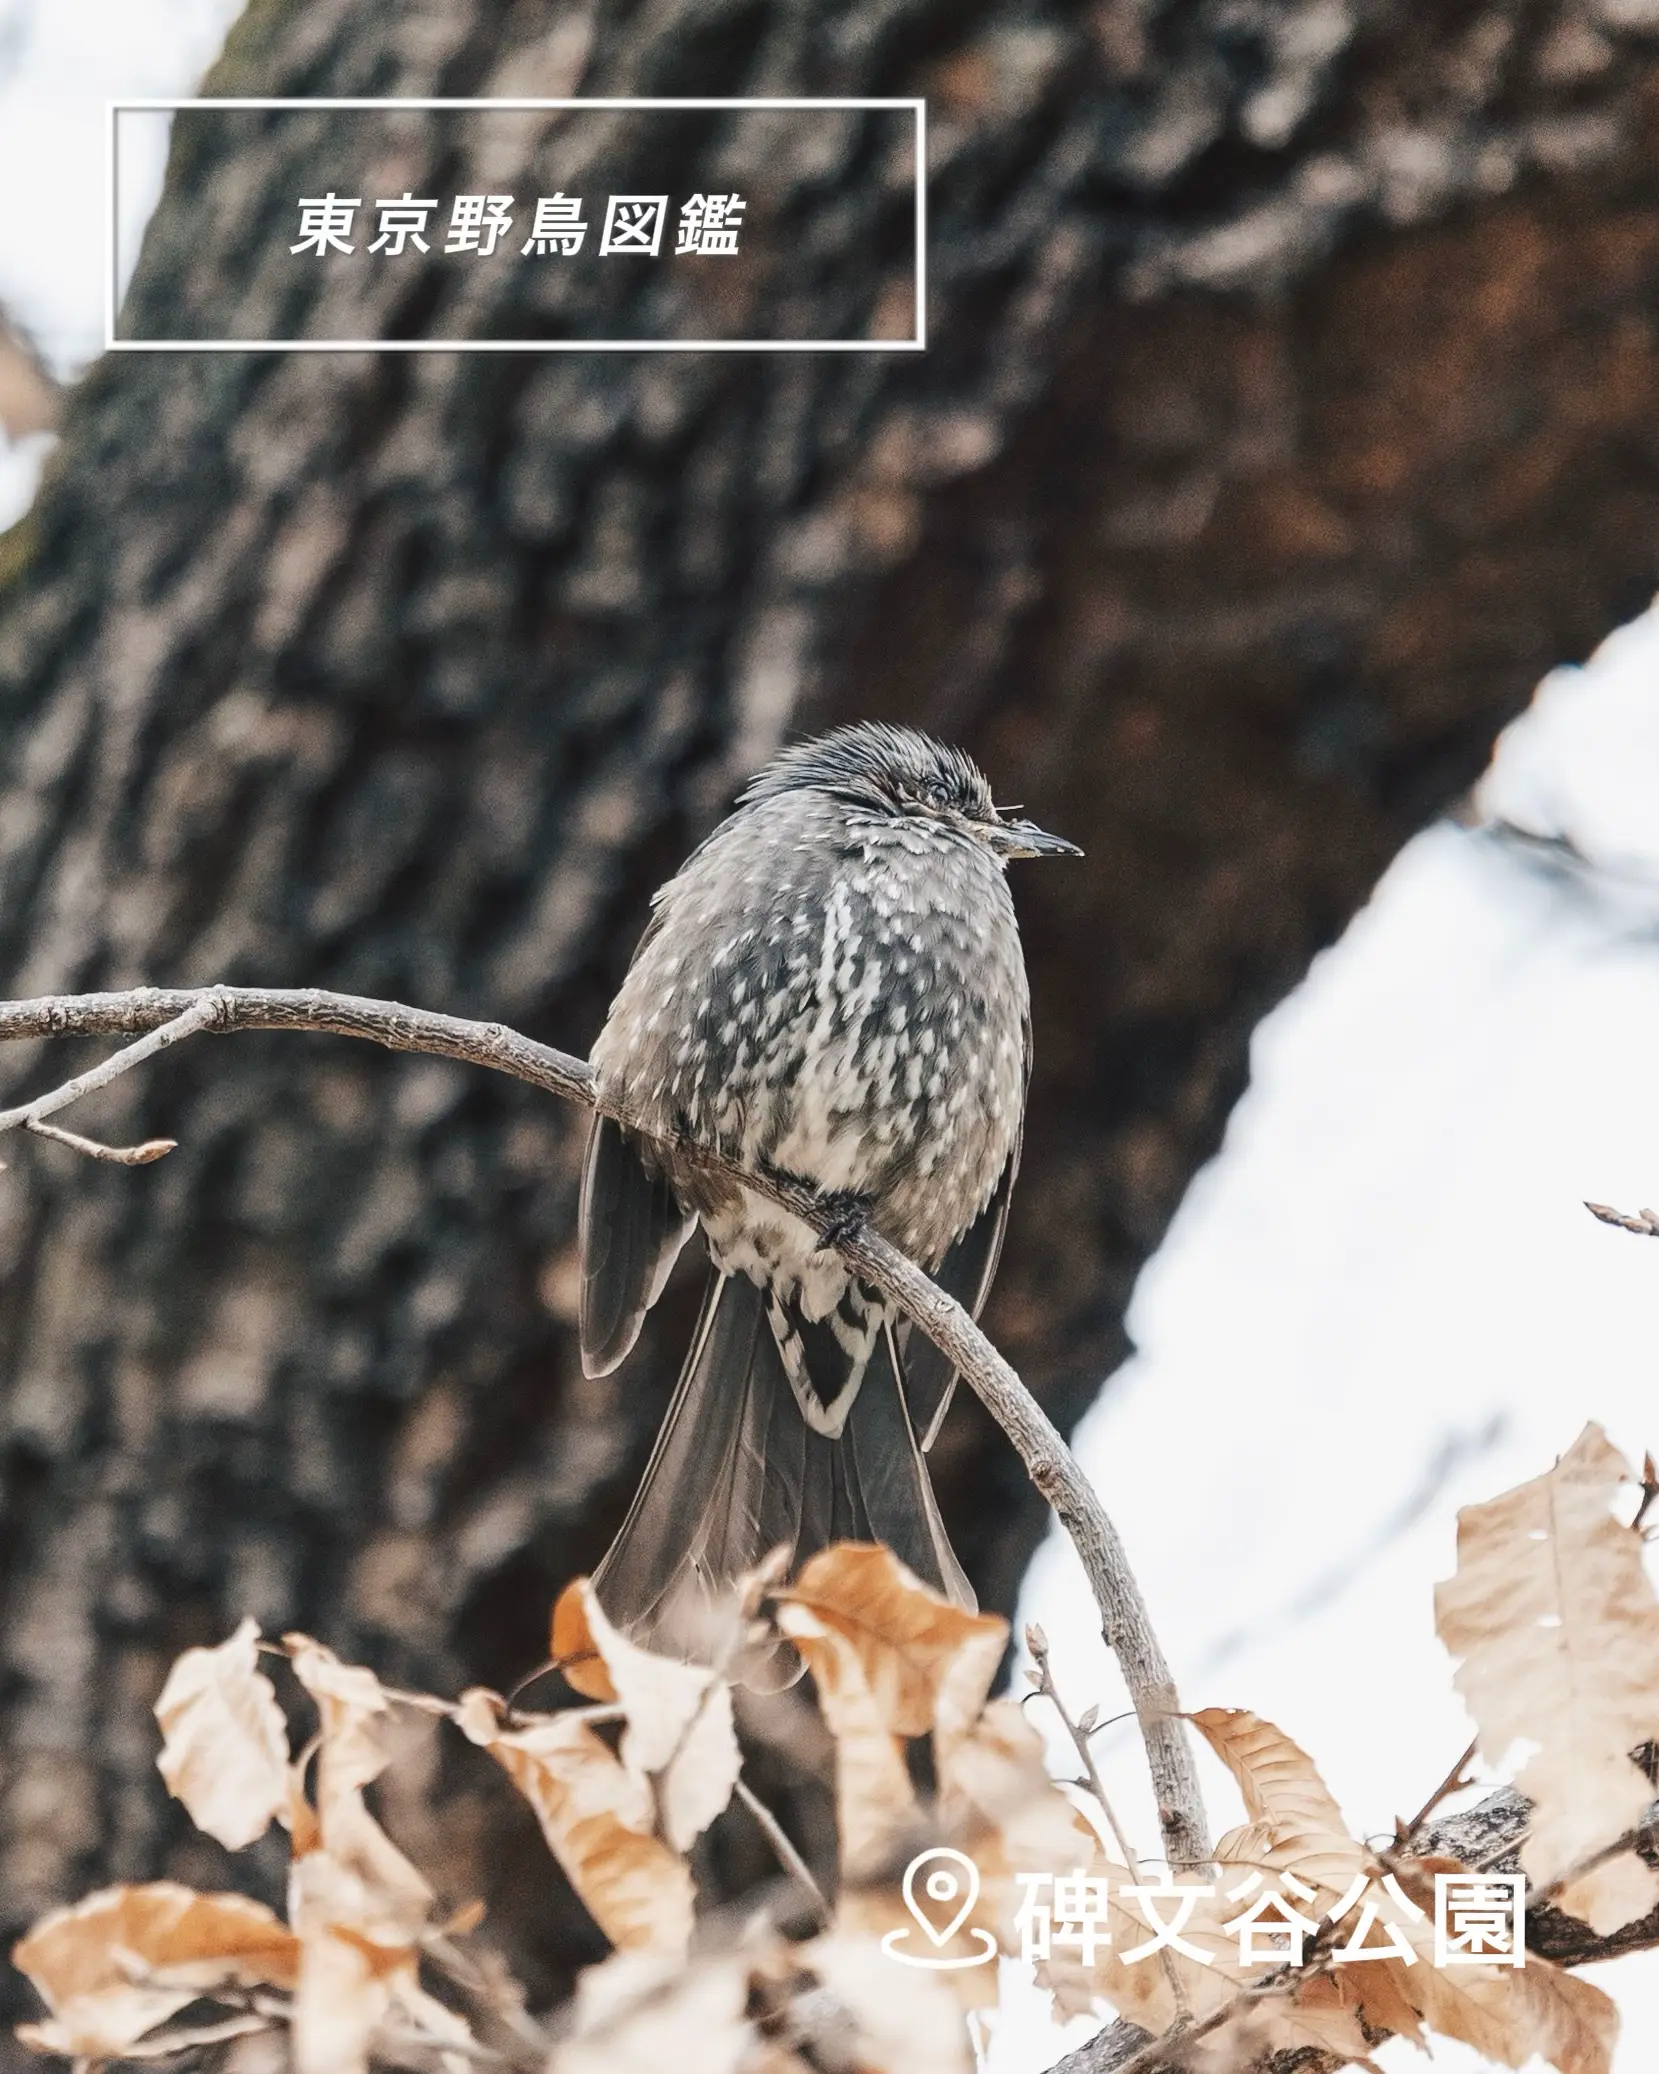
1550, 1613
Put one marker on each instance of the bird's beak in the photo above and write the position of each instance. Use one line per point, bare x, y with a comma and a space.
1026, 839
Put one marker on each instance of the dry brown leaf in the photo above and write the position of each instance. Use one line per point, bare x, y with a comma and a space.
1251, 1845
450, 2035
352, 1709
224, 1742
389, 1896
643, 2011
1557, 1627
1291, 1810
912, 1643
680, 1734
1296, 1827
903, 2021
597, 1817
891, 1658
1142, 1988
172, 1929
572, 1646
65, 2040
875, 1801
339, 2006
353, 1952
1510, 2013
358, 1924
997, 1792
376, 1888
1574, 2025
82, 1962
1320, 2015
341, 2001
356, 1903
1381, 1992
397, 1901
174, 2039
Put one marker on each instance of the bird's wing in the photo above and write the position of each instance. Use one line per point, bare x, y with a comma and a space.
966, 1272
631, 1231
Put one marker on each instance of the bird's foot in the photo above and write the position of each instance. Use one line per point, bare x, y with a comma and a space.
849, 1208
849, 1213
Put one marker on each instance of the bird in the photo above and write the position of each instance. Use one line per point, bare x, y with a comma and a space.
831, 989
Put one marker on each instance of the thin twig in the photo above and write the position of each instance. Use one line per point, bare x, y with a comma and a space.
788, 1857
1037, 1643
116, 1155
553, 1663
1053, 1469
1449, 1784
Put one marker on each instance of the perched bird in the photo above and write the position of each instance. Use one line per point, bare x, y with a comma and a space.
832, 989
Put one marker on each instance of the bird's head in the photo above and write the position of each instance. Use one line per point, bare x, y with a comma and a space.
898, 772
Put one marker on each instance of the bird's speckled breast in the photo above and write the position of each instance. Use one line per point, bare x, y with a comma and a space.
840, 995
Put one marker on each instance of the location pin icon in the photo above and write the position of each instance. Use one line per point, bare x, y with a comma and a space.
949, 1886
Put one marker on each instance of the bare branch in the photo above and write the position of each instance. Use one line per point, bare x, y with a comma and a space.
168, 1016
1643, 1222
200, 1012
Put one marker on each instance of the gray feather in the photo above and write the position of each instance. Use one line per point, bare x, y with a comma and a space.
631, 1229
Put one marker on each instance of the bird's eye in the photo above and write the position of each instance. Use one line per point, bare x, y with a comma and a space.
934, 794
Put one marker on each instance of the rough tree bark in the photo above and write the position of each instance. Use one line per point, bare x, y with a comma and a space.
1293, 404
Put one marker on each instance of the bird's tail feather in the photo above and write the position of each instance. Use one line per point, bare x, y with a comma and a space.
737, 1471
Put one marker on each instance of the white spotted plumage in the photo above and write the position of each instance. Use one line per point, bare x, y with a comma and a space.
798, 1045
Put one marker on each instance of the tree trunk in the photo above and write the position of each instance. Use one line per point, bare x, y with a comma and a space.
1293, 403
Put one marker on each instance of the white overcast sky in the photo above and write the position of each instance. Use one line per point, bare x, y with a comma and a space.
1383, 1299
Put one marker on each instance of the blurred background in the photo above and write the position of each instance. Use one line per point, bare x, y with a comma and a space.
1291, 416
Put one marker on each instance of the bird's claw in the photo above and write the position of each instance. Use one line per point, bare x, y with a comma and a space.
849, 1213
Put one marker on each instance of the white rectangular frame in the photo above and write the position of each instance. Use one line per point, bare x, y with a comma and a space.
112, 344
